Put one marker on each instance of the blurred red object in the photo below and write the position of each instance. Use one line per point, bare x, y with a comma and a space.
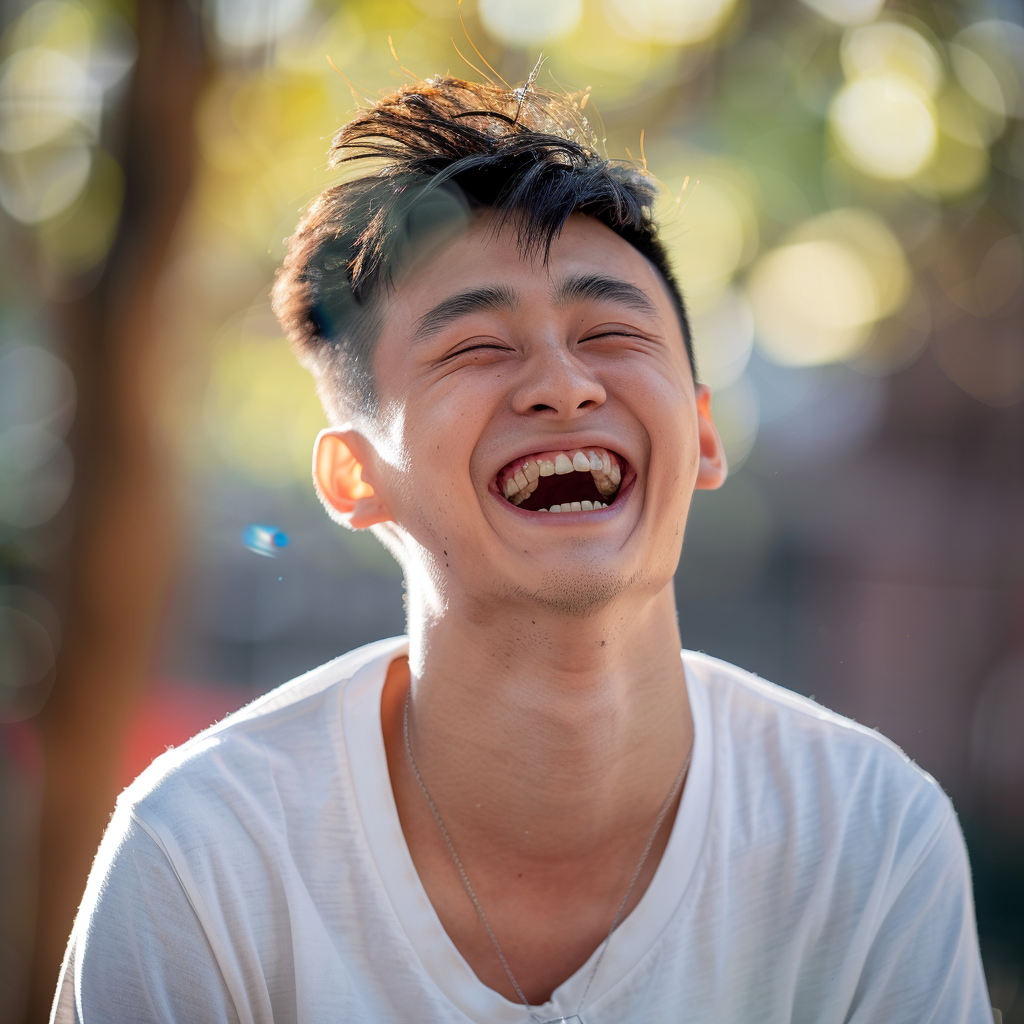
169, 714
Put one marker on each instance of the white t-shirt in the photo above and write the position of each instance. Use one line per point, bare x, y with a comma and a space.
259, 873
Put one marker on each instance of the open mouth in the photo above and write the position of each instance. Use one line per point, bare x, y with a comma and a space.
574, 480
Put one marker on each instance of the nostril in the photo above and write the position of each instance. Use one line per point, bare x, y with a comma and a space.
542, 408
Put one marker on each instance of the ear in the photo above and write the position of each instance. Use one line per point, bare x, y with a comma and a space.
338, 474
712, 469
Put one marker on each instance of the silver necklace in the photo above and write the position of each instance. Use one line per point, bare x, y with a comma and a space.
575, 1017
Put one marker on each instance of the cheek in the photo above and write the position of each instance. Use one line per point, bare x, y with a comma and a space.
434, 480
671, 425
665, 404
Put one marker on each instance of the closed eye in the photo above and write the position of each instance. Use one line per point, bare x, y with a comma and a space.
481, 346
613, 332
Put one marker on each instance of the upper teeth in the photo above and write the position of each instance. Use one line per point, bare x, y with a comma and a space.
606, 473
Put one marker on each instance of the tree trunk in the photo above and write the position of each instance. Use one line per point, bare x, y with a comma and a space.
123, 503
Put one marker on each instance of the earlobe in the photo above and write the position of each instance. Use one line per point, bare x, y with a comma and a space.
338, 475
712, 469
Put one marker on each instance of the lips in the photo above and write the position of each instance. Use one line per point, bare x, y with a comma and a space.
572, 479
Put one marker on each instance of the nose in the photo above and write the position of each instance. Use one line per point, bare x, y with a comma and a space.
557, 384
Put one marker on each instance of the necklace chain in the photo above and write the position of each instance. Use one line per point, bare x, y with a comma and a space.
476, 902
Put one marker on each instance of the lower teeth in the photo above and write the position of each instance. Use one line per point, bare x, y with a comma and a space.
575, 506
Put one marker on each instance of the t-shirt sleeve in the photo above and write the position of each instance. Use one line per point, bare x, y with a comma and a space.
138, 953
923, 966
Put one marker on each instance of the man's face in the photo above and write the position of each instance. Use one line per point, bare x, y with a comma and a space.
540, 435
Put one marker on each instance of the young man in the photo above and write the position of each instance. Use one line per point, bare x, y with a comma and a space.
532, 808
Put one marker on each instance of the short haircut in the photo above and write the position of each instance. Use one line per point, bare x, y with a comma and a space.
440, 150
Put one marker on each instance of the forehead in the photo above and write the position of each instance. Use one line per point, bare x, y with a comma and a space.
482, 256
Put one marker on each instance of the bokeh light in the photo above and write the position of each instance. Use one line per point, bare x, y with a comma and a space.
60, 65
988, 58
874, 244
884, 118
668, 21
891, 48
723, 339
848, 241
885, 125
817, 297
847, 12
37, 403
737, 413
30, 636
814, 303
250, 23
43, 94
709, 225
530, 22
260, 410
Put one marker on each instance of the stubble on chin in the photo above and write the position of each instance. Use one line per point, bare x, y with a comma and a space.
572, 594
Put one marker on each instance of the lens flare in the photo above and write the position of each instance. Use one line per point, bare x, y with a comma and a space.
264, 540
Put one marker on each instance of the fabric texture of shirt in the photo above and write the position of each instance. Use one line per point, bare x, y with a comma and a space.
259, 873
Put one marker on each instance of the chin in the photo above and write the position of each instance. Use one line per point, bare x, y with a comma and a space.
573, 593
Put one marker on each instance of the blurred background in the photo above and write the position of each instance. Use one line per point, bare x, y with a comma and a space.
843, 199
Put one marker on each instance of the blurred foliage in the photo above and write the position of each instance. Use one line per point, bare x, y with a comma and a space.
841, 193
839, 176
841, 189
823, 165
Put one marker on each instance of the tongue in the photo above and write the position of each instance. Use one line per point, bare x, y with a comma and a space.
555, 490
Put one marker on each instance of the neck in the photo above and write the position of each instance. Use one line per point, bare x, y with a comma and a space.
537, 732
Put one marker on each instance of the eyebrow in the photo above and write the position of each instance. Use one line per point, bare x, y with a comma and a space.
462, 304
596, 287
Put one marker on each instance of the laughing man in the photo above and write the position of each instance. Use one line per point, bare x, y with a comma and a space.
532, 808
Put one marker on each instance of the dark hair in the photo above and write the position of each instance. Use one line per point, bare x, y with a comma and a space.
441, 149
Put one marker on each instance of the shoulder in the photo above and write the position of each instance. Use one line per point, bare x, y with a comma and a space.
274, 759
791, 771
